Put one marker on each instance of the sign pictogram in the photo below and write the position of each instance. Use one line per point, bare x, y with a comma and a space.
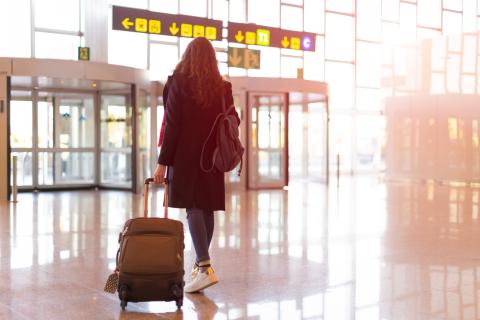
270, 37
84, 53
144, 21
243, 58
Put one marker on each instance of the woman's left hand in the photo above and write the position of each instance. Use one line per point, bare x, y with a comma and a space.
159, 175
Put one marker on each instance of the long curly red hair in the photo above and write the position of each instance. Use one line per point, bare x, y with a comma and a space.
199, 64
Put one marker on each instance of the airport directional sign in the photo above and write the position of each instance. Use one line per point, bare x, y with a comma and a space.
270, 37
243, 58
144, 21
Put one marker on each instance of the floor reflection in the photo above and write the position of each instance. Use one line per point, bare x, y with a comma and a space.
368, 250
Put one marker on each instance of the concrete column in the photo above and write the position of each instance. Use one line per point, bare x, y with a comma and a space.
4, 172
96, 29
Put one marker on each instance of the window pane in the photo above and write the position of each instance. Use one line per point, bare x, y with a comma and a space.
24, 168
45, 124
430, 13
47, 14
391, 10
167, 6
341, 142
469, 53
56, 46
257, 12
369, 99
425, 33
369, 19
116, 122
133, 58
269, 63
297, 2
237, 11
453, 4
369, 133
74, 122
290, 66
339, 37
15, 13
368, 64
141, 4
453, 73
408, 22
452, 23
390, 33
163, 59
292, 18
345, 6
439, 50
468, 84
314, 63
469, 16
220, 10
314, 13
65, 168
193, 7
339, 77
21, 124
116, 168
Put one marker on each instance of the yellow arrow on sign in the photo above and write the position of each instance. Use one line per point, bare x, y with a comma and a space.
235, 58
174, 29
239, 36
285, 42
126, 23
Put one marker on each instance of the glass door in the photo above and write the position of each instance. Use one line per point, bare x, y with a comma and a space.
21, 137
116, 141
307, 137
232, 180
65, 139
267, 152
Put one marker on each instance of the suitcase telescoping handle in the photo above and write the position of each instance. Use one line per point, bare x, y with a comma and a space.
145, 197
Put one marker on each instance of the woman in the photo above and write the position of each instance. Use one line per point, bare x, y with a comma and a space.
193, 98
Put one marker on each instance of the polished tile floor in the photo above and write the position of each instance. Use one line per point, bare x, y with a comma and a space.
368, 250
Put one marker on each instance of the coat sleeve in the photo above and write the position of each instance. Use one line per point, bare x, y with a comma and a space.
173, 122
229, 98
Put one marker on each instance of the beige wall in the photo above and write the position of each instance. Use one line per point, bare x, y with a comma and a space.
3, 139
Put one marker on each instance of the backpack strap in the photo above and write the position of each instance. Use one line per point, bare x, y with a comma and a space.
205, 144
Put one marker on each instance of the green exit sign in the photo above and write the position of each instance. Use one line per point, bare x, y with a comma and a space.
84, 53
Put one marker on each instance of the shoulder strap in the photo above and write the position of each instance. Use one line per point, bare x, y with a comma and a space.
205, 144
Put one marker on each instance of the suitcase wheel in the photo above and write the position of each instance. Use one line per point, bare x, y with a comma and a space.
177, 291
179, 303
123, 296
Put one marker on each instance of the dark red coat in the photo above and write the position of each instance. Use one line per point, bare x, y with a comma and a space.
186, 128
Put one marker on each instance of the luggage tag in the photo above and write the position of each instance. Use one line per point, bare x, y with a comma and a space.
112, 283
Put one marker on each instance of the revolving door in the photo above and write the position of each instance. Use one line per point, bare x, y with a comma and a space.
284, 129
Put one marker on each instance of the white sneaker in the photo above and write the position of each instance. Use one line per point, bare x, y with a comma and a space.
204, 277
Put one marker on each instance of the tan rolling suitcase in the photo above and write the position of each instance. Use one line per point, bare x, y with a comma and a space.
150, 258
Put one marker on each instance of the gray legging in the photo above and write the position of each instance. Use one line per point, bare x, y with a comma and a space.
201, 223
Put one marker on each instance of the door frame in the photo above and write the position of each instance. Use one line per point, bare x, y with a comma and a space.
243, 85
285, 153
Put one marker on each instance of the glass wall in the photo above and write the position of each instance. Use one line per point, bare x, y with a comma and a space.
352, 37
116, 140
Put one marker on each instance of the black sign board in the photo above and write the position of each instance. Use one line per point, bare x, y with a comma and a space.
270, 37
144, 21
